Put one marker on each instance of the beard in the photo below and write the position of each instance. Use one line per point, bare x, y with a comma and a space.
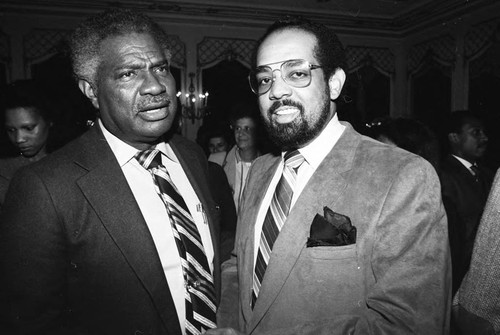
301, 130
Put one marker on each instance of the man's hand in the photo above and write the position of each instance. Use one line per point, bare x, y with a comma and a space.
222, 331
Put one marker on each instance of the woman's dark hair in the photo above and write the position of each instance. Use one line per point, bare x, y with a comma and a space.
28, 94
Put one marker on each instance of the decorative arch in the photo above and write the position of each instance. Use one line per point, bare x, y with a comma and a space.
441, 50
482, 45
42, 44
225, 63
480, 38
212, 50
381, 59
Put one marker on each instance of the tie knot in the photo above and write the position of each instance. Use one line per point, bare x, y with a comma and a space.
293, 159
149, 159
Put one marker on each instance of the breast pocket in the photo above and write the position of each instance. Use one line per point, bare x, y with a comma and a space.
341, 252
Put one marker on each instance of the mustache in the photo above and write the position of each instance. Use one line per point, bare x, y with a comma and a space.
154, 102
286, 102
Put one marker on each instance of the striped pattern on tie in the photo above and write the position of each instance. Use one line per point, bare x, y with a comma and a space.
275, 217
200, 291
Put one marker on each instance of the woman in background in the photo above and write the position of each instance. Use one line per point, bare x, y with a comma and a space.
26, 121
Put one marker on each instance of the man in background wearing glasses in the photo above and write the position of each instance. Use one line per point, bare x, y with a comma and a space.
362, 246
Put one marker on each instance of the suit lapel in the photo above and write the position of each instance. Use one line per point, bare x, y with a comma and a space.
108, 193
325, 188
260, 180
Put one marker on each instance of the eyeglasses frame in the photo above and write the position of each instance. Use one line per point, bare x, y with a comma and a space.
311, 67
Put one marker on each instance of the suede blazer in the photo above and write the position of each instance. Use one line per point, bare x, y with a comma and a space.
396, 278
76, 255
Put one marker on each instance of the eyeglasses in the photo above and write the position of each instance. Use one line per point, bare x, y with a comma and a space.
294, 72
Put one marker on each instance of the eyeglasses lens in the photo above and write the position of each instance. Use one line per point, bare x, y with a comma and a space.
296, 73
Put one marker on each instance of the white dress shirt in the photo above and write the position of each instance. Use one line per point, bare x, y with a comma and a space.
465, 163
313, 153
155, 214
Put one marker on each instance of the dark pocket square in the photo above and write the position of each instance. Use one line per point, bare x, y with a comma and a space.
332, 229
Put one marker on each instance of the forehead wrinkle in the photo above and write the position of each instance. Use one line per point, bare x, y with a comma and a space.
137, 61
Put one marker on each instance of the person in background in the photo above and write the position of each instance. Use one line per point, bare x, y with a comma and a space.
118, 232
217, 141
465, 184
340, 234
245, 125
27, 121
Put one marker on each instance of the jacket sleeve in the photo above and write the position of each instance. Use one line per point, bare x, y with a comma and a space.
33, 262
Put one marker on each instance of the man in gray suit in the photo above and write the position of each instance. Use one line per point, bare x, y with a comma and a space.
117, 232
361, 247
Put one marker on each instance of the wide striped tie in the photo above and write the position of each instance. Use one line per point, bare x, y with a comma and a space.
275, 217
200, 292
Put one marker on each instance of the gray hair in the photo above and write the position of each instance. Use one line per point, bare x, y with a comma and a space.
85, 42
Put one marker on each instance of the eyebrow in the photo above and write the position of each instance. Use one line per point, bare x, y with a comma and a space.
140, 65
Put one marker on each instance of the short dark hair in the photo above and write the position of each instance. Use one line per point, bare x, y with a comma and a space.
85, 42
458, 119
329, 51
27, 94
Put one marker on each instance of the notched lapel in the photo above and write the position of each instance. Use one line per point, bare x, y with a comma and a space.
107, 191
261, 177
325, 188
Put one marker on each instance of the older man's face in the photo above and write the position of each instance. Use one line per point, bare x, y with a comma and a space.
135, 90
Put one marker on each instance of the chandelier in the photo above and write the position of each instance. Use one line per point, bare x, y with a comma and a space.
194, 106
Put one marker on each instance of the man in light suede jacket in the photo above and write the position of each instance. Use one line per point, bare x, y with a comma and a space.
364, 247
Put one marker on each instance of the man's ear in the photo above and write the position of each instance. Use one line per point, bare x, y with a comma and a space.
336, 82
89, 91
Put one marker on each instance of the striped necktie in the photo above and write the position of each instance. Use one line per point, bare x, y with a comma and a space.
200, 291
275, 217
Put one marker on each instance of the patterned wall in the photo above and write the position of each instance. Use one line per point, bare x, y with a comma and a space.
439, 51
178, 49
380, 58
40, 44
482, 48
212, 50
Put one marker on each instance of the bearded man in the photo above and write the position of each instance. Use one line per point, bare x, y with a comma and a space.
340, 234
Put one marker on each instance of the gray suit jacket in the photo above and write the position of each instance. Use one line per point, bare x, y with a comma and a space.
395, 279
76, 255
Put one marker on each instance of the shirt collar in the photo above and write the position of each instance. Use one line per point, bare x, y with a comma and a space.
124, 152
465, 162
316, 151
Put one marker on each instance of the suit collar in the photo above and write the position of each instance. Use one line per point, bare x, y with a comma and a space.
316, 151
